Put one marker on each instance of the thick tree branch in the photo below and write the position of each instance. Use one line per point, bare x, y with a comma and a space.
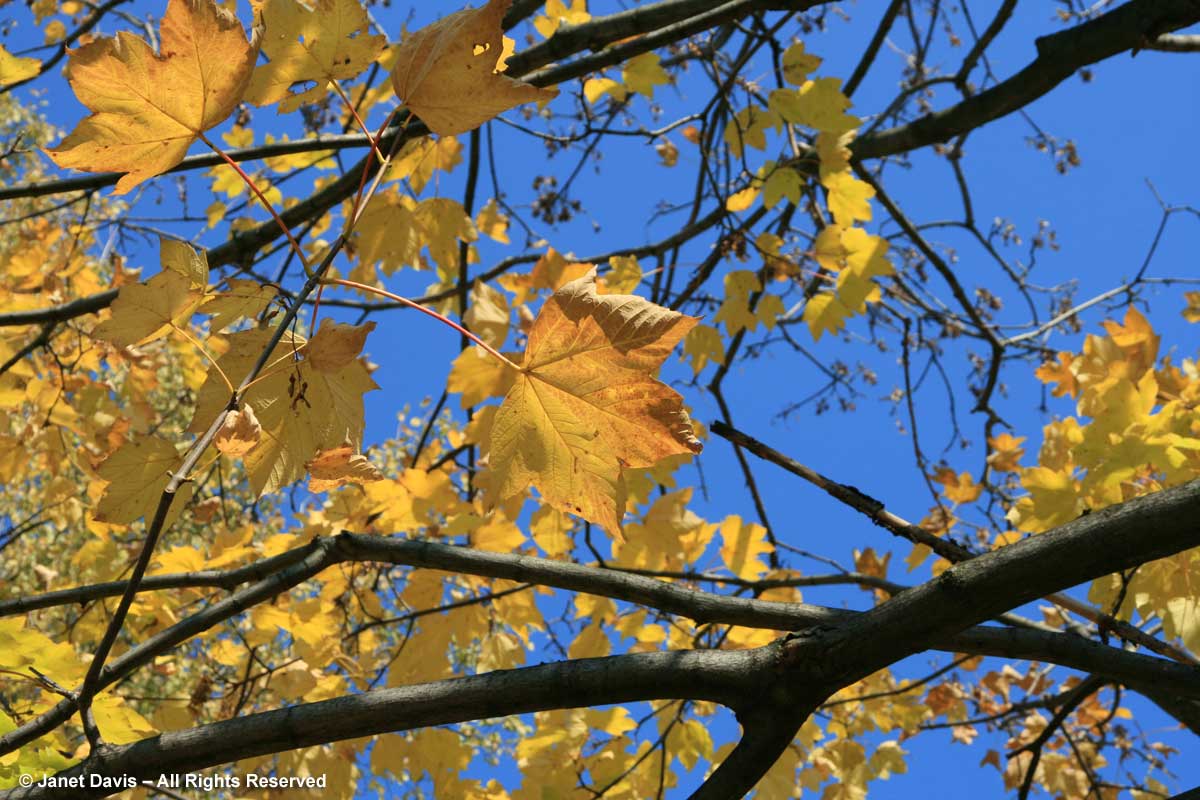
718, 676
1128, 27
1176, 43
1098, 544
766, 733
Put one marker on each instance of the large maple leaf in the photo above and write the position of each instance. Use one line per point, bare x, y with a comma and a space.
148, 108
586, 404
446, 72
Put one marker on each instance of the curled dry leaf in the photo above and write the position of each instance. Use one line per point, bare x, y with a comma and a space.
336, 345
586, 404
149, 107
339, 466
446, 72
239, 433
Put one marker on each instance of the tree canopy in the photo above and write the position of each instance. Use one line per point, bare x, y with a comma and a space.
553, 400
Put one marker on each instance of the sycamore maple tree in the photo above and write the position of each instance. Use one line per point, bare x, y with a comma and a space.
210, 563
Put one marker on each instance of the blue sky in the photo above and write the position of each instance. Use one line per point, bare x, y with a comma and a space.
1133, 123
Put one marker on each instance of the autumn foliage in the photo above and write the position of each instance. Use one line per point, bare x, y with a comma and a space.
205, 543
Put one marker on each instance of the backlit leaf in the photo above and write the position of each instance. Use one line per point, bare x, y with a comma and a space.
146, 311
137, 473
586, 405
446, 72
326, 43
167, 99
339, 466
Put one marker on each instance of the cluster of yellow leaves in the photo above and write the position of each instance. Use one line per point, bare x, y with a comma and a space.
449, 74
849, 256
1137, 431
24, 654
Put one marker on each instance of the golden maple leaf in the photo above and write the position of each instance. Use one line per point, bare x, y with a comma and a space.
149, 107
148, 310
446, 72
586, 405
137, 472
301, 409
327, 43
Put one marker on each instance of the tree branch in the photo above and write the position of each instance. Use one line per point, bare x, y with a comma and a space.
1109, 540
1128, 27
718, 676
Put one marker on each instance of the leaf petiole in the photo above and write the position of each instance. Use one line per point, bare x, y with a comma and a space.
262, 199
428, 311
337, 87
204, 350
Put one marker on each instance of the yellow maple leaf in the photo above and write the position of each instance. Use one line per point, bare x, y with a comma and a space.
557, 12
338, 466
488, 316
446, 72
1053, 500
825, 312
166, 100
14, 69
1006, 452
781, 182
740, 201
959, 488
1059, 372
477, 376
302, 410
327, 43
492, 222
595, 88
797, 64
336, 345
849, 198
244, 299
735, 308
419, 158
749, 128
148, 310
742, 544
819, 104
702, 345
1192, 312
624, 275
137, 473
643, 72
585, 404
